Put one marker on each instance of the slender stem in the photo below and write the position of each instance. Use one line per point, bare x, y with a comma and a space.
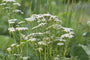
27, 48
31, 8
40, 55
45, 54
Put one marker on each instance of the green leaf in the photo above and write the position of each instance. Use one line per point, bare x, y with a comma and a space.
79, 52
86, 48
5, 42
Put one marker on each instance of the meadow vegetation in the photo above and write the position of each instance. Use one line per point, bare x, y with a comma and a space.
44, 30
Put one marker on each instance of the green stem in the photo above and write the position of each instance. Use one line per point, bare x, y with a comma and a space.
45, 54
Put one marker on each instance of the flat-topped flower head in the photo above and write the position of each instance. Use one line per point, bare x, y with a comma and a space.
31, 19
67, 36
39, 49
9, 1
21, 22
43, 18
13, 45
32, 39
22, 43
67, 29
21, 28
9, 49
12, 21
17, 46
18, 11
40, 25
25, 58
17, 4
41, 43
11, 29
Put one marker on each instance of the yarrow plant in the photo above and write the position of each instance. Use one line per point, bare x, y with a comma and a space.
44, 34
10, 9
10, 6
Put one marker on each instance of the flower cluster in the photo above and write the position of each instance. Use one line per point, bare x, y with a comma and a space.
43, 31
6, 5
9, 1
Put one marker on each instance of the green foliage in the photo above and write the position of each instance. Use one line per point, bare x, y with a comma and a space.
79, 52
5, 42
86, 49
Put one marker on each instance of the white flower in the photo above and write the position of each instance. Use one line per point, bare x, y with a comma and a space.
67, 35
21, 22
9, 49
67, 29
17, 4
32, 39
13, 45
11, 29
12, 21
39, 33
40, 49
46, 14
35, 27
22, 43
55, 26
18, 11
60, 44
41, 43
9, 1
40, 25
57, 20
85, 33
31, 19
17, 45
71, 32
39, 16
25, 58
56, 58
21, 28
